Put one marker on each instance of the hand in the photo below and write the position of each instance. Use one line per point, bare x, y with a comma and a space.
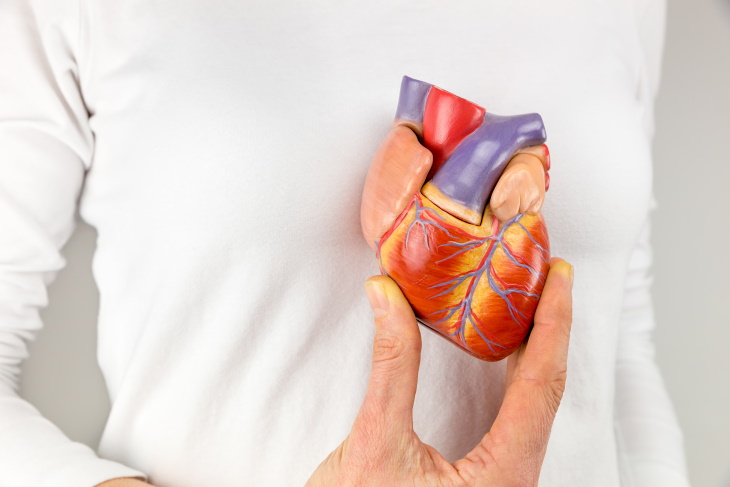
382, 448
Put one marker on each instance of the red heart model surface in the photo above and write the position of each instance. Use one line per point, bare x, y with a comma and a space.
476, 285
475, 282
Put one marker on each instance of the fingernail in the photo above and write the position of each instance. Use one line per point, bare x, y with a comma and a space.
565, 269
569, 271
377, 297
571, 276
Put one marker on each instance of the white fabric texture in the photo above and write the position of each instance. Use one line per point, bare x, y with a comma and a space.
219, 149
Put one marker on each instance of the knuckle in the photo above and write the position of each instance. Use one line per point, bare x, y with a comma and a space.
553, 397
555, 387
550, 388
557, 323
388, 349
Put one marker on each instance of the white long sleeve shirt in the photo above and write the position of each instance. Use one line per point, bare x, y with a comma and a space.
220, 148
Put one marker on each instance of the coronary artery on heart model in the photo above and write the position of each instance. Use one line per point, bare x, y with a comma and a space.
470, 276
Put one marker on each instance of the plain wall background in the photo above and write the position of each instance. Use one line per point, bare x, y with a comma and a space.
691, 239
691, 233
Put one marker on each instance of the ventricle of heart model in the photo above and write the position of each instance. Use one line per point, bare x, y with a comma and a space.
452, 206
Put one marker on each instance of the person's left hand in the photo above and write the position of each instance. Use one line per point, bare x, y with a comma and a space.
382, 448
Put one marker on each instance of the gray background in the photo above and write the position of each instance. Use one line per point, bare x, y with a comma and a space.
691, 240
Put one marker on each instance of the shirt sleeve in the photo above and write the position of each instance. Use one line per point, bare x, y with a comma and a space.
45, 148
650, 440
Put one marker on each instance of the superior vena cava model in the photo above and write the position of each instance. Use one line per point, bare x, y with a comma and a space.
452, 206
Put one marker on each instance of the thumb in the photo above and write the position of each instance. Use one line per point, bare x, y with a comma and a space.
396, 357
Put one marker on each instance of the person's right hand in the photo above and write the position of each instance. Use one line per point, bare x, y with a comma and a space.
382, 448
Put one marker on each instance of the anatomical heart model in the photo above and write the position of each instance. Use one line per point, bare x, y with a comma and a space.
452, 207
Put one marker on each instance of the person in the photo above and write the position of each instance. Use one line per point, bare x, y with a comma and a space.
219, 149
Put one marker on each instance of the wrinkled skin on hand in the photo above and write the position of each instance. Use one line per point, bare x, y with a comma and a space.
382, 448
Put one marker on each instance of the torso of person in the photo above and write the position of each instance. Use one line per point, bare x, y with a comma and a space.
231, 143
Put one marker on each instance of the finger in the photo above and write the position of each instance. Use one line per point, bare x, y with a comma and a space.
546, 351
537, 384
522, 428
396, 357
398, 171
512, 362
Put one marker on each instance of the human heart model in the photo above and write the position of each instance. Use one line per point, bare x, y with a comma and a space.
452, 205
